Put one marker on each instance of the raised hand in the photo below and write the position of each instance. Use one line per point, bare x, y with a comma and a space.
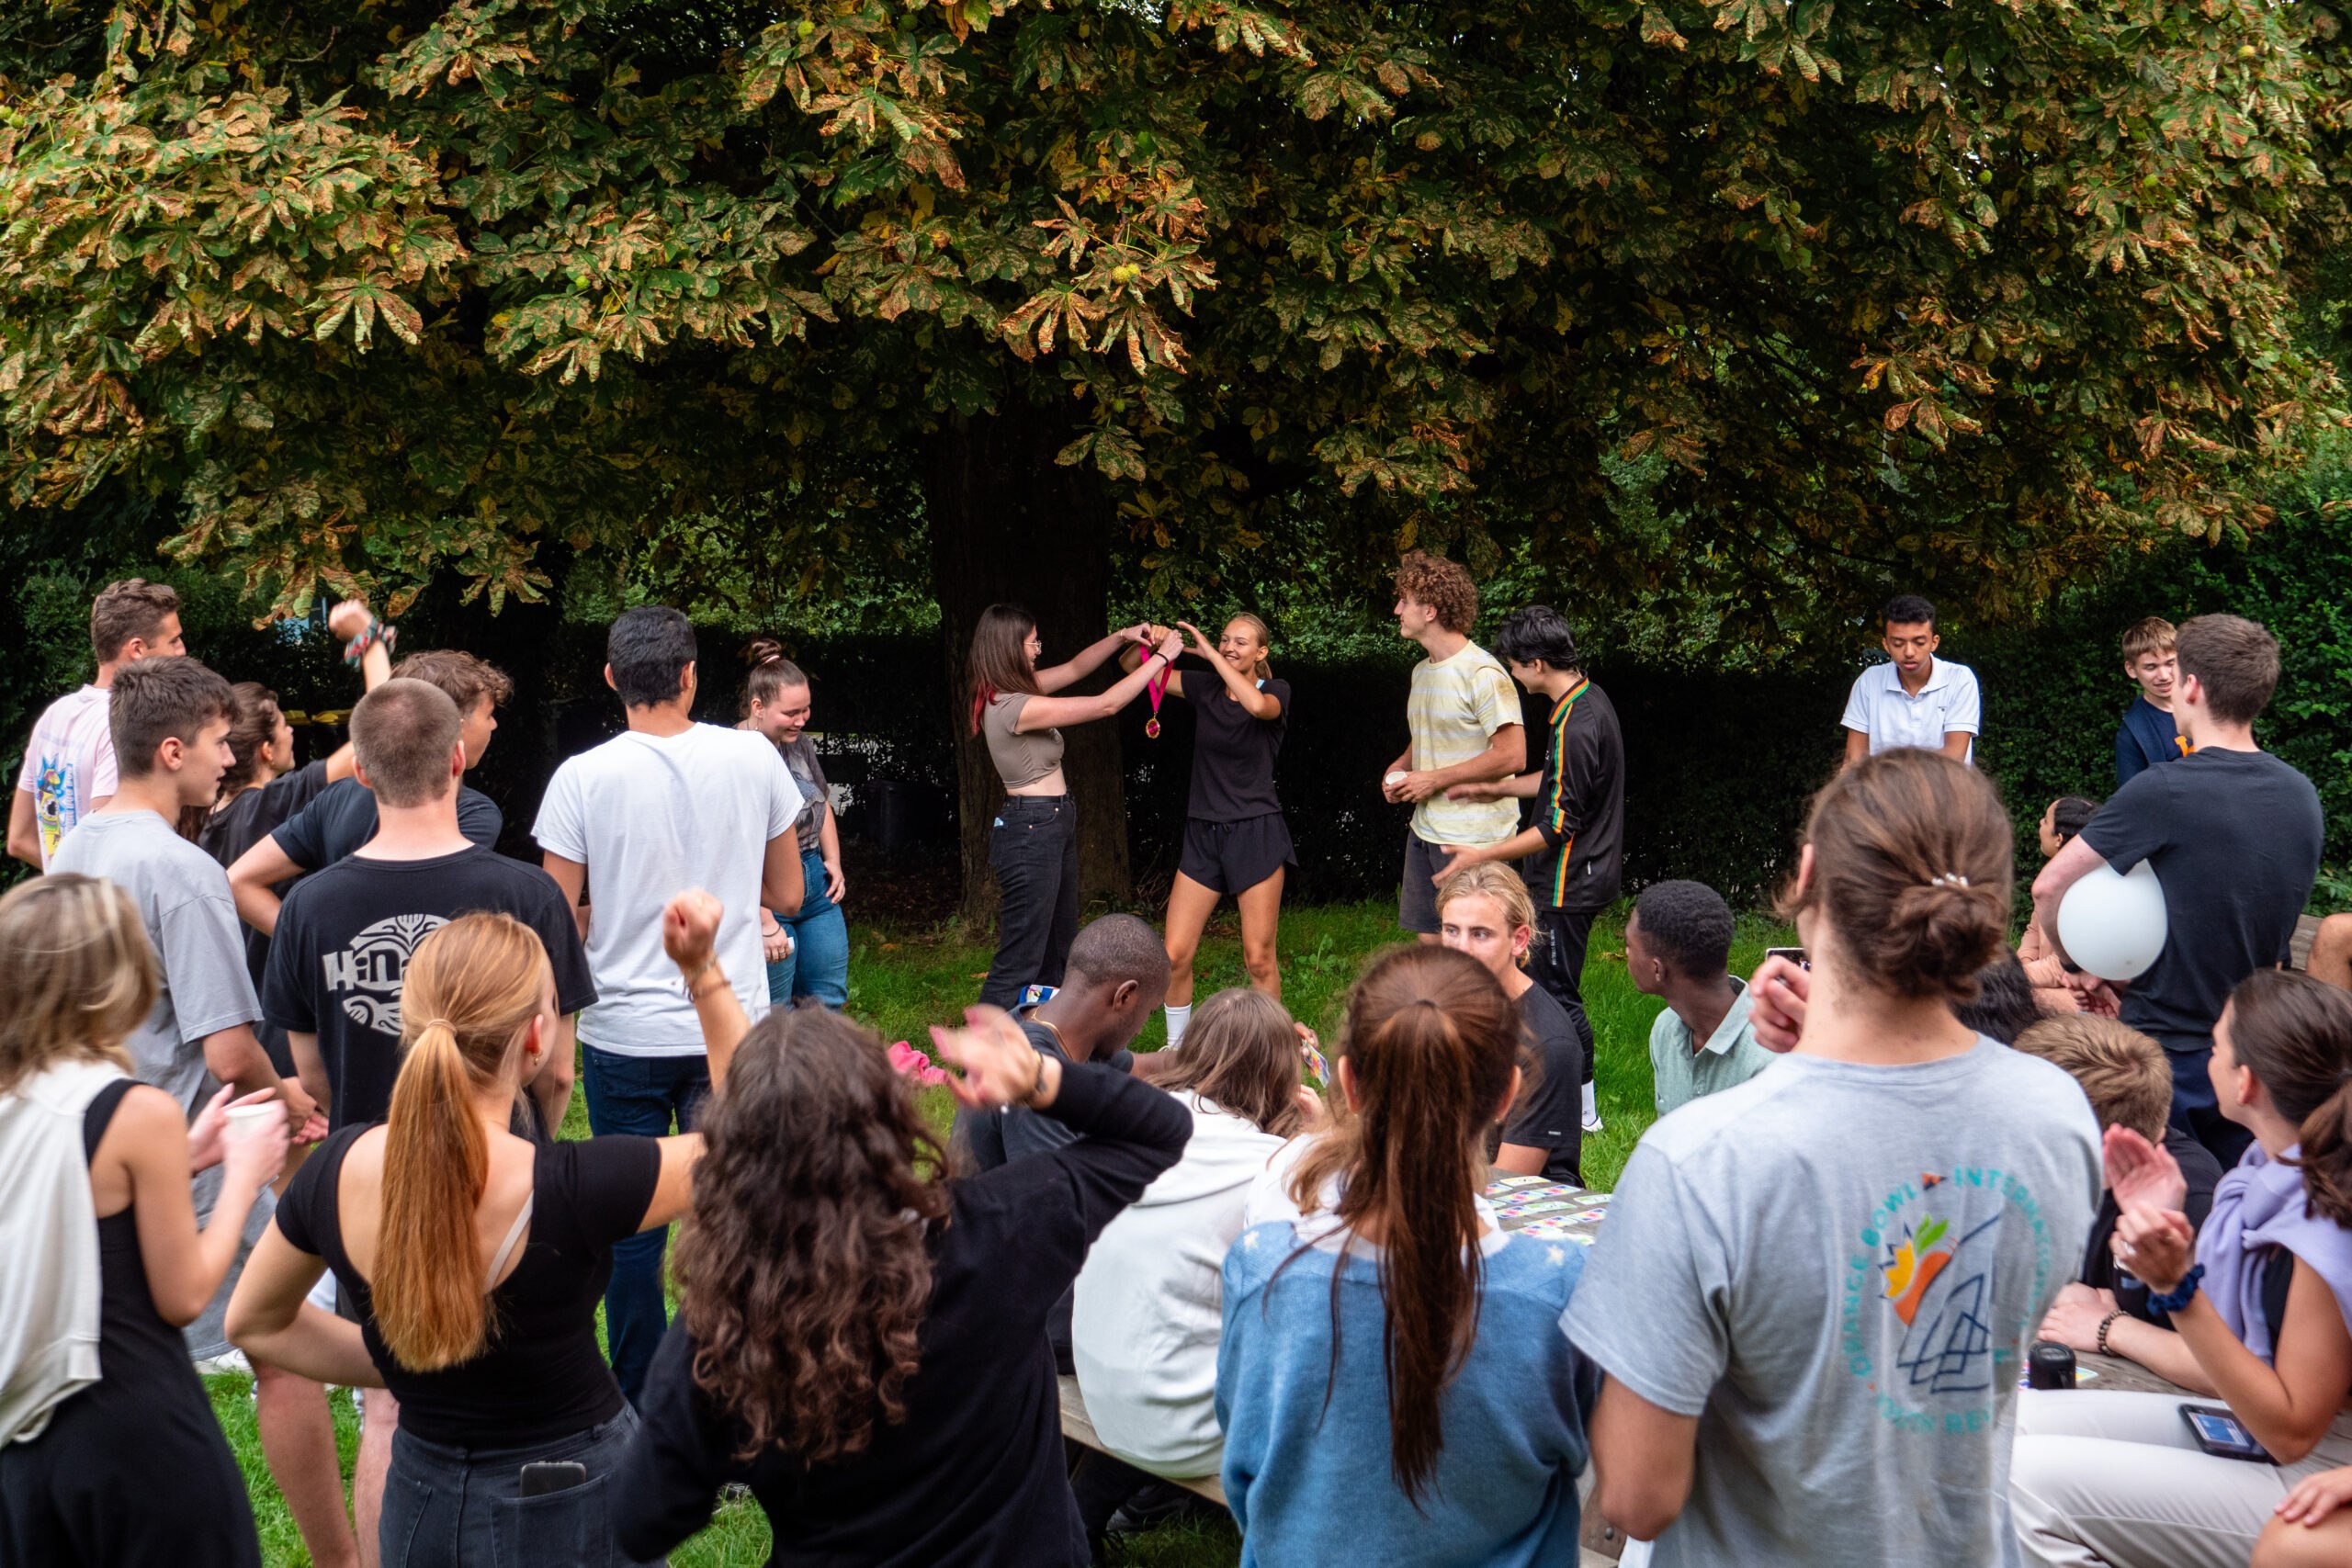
995, 1063
1201, 643
2156, 1246
2139, 1172
690, 930
349, 619
1171, 643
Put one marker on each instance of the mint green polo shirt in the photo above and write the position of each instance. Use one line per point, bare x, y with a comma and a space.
1731, 1055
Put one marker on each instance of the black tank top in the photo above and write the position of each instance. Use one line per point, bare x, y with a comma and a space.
138, 1349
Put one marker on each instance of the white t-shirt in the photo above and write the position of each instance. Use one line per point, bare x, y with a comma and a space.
69, 763
1893, 717
652, 817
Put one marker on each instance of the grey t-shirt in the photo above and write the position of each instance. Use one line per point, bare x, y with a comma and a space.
1837, 1269
808, 773
182, 896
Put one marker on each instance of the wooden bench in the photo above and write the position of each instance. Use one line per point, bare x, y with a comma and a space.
1601, 1543
1078, 1428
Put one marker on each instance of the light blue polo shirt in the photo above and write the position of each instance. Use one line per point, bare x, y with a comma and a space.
1731, 1055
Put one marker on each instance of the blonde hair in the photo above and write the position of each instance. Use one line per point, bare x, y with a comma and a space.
1262, 671
76, 975
2123, 1072
471, 987
1491, 879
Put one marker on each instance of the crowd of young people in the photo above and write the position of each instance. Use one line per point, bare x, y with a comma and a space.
328, 1135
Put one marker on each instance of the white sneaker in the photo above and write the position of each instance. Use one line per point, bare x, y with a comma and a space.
1592, 1123
232, 1360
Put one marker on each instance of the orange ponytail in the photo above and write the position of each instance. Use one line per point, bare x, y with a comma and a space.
472, 987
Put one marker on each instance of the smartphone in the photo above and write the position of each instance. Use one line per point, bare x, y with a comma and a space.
1793, 955
553, 1475
2220, 1434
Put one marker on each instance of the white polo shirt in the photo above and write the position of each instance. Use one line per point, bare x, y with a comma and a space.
1891, 717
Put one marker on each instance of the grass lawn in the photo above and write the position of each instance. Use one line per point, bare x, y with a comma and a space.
902, 981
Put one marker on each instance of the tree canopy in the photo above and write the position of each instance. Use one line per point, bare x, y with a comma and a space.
1759, 298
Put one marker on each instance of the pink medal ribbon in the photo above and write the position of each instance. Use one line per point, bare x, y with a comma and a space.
1157, 688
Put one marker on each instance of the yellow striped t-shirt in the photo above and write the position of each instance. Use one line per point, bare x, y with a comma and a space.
1456, 706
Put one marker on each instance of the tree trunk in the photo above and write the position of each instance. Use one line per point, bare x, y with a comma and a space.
1008, 524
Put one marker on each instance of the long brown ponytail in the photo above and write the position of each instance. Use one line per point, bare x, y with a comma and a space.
1431, 1042
2294, 1033
471, 987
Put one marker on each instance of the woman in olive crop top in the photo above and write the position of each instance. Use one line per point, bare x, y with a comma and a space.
1033, 843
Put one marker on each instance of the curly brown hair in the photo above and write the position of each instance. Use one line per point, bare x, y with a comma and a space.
1444, 586
803, 1263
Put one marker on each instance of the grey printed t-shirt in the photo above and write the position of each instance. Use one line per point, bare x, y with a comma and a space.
1837, 1269
182, 896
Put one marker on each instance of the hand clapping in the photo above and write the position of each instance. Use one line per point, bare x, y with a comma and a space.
995, 1063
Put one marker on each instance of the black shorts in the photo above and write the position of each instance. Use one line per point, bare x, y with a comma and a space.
1234, 857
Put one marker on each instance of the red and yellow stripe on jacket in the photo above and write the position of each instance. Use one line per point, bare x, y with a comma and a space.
1552, 817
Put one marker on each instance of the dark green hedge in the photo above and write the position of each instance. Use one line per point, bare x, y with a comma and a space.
1720, 765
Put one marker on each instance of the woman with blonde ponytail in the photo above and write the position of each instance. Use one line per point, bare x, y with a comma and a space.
1236, 842
1391, 1368
474, 1258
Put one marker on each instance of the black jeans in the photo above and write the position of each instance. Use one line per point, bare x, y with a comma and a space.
1555, 962
1034, 846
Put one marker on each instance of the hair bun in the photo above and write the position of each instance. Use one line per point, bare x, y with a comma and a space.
760, 651
1938, 934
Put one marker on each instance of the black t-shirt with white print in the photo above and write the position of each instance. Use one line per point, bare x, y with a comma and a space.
344, 937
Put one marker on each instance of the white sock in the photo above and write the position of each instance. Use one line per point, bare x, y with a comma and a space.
1179, 1020
1591, 1112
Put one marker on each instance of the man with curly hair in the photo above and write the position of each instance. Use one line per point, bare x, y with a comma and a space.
1467, 729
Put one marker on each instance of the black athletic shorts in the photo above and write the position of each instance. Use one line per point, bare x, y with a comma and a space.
1234, 857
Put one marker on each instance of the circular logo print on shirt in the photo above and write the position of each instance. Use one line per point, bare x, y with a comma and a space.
365, 976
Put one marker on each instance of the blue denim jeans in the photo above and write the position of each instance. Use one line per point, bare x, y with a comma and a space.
641, 1095
818, 965
451, 1507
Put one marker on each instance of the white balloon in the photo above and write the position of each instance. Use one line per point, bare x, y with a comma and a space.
2114, 926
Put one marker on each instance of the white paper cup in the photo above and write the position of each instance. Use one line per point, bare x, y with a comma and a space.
249, 1117
1396, 778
